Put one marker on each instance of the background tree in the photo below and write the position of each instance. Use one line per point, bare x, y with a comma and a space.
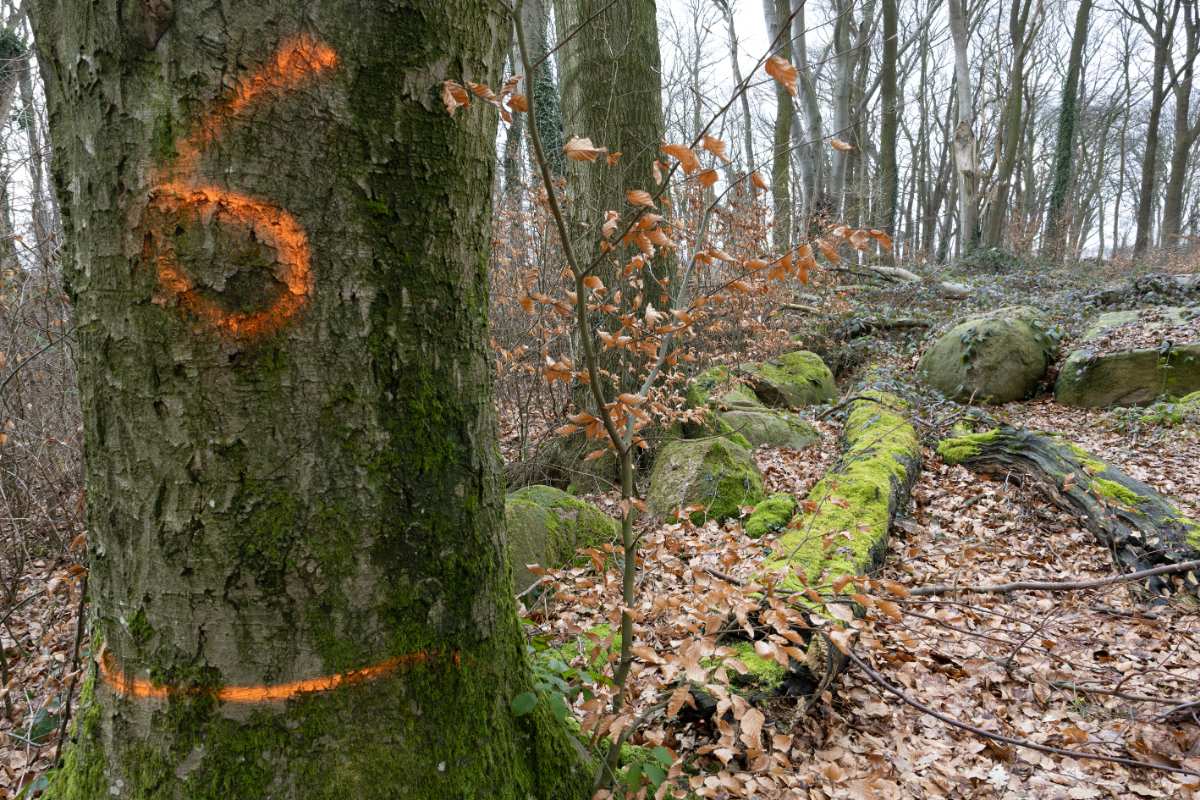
299, 578
1064, 147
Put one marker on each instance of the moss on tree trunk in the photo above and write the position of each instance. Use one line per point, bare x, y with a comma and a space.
319, 495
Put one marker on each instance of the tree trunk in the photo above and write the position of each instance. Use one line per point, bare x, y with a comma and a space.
818, 203
998, 207
278, 246
735, 66
844, 75
609, 75
535, 21
777, 13
1160, 31
1064, 147
966, 157
1184, 131
889, 185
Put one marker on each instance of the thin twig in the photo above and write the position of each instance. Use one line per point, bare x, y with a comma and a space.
884, 684
1057, 586
79, 628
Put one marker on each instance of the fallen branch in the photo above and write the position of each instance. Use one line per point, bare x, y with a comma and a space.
884, 684
1056, 586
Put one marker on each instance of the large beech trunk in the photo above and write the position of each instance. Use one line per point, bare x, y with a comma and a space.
278, 243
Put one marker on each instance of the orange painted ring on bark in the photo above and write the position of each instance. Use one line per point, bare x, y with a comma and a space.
263, 693
270, 224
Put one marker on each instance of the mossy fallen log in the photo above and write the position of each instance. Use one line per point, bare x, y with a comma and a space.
1140, 527
843, 528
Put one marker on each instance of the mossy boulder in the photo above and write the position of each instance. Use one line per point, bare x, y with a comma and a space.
771, 515
717, 387
792, 380
737, 413
771, 427
546, 526
716, 474
1092, 378
995, 357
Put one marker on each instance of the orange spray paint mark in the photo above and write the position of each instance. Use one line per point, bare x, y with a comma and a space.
268, 693
178, 189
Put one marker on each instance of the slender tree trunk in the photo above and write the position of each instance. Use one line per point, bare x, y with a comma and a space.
278, 244
844, 74
966, 156
1064, 146
535, 20
889, 186
998, 207
818, 202
1185, 132
776, 13
735, 66
1161, 31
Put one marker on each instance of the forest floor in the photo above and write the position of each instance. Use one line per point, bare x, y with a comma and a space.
1099, 671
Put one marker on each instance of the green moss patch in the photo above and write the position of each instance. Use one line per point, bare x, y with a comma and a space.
771, 515
846, 534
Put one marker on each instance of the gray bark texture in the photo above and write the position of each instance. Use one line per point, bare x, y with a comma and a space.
277, 248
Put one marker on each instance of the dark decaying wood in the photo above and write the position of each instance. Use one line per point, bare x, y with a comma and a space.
1140, 527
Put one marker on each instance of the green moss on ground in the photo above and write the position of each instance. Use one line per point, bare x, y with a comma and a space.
772, 514
762, 674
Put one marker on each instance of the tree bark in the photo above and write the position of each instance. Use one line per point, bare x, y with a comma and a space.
1185, 133
278, 244
1160, 31
966, 157
777, 13
609, 76
889, 183
535, 19
1064, 147
1022, 18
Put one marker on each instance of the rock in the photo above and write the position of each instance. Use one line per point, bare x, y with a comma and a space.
737, 413
1151, 289
771, 515
995, 357
770, 427
715, 473
546, 526
1118, 364
793, 380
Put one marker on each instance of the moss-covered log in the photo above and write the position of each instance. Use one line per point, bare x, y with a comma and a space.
278, 247
1141, 528
844, 532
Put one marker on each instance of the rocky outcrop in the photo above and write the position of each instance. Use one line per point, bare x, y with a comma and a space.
1131, 358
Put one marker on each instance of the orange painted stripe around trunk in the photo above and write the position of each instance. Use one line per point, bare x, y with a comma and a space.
130, 686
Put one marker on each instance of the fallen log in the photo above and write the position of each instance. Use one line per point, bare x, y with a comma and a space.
1141, 528
843, 530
